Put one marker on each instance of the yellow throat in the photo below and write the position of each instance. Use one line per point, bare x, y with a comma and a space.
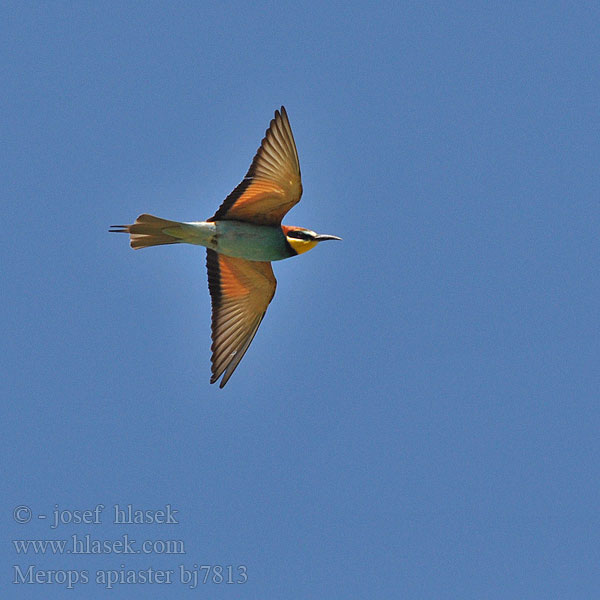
301, 246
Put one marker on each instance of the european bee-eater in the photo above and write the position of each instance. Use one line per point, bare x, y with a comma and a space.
241, 240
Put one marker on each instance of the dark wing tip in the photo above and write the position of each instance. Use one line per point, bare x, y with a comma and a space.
222, 376
281, 113
215, 378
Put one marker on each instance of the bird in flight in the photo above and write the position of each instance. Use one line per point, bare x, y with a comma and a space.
241, 240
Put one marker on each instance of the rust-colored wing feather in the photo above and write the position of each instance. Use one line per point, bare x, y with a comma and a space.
240, 292
272, 185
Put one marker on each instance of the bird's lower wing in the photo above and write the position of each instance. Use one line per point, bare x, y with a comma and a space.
240, 292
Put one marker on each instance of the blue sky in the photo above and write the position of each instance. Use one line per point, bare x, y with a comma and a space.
418, 414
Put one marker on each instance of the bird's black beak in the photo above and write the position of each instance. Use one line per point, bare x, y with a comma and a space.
322, 238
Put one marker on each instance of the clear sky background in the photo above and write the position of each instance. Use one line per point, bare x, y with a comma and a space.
418, 414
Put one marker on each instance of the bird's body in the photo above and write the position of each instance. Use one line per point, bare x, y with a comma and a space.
236, 238
242, 239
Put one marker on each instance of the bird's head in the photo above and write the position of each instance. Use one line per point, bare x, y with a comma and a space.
301, 240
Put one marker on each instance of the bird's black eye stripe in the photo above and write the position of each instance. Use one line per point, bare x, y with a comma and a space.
299, 235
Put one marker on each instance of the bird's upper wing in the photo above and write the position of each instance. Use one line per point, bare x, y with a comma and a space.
240, 292
272, 185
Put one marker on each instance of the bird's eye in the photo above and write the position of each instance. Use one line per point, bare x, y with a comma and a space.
299, 235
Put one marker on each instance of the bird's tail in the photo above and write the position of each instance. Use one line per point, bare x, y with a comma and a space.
149, 231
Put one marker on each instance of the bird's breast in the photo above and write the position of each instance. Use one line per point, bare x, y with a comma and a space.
249, 241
